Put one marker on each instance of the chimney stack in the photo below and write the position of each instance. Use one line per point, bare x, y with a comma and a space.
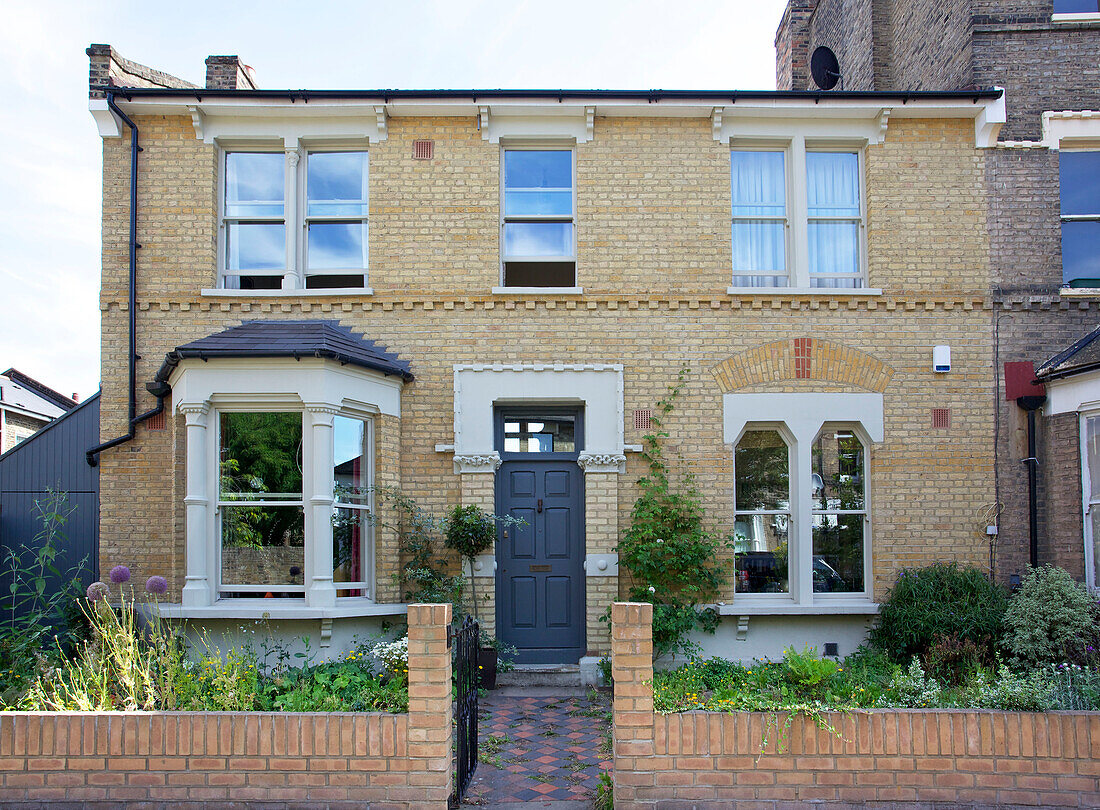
108, 69
229, 73
792, 46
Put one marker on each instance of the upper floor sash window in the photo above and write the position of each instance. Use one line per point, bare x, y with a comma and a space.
537, 228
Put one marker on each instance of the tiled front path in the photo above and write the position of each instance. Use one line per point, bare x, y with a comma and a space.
541, 745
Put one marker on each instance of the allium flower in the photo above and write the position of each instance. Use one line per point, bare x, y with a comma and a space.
120, 574
97, 591
157, 585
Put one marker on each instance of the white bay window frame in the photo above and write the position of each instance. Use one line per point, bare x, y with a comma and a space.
319, 389
799, 418
1089, 504
794, 148
295, 211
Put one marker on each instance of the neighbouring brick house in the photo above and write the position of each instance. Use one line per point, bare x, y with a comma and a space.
26, 405
1043, 181
541, 265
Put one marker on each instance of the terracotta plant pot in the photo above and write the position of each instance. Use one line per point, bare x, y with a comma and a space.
487, 660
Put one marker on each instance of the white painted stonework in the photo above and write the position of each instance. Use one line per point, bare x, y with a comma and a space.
597, 387
318, 388
1081, 392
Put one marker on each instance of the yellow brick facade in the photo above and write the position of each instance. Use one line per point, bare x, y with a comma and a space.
653, 225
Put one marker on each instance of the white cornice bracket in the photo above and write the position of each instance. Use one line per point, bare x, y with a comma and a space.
380, 115
987, 126
483, 122
198, 120
883, 123
716, 122
589, 120
109, 124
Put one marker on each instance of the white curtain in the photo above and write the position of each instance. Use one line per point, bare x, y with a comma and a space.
759, 237
832, 192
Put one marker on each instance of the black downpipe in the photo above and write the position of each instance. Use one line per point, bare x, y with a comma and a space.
159, 390
1032, 405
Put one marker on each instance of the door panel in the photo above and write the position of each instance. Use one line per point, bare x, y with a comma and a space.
540, 571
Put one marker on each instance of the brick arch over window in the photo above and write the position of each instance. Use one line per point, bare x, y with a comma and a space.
802, 358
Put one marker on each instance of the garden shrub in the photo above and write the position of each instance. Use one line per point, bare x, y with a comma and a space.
1051, 619
940, 601
912, 689
673, 561
952, 659
804, 669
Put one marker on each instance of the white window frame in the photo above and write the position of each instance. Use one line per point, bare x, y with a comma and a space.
367, 551
1063, 219
294, 219
1087, 502
790, 441
303, 206
220, 586
800, 417
788, 258
224, 220
538, 146
798, 240
864, 513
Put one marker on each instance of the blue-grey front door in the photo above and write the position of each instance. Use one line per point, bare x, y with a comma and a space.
540, 563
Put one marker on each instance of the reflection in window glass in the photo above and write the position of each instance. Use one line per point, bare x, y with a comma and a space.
260, 504
336, 214
839, 504
538, 218
762, 491
351, 525
544, 434
1077, 6
1080, 193
254, 210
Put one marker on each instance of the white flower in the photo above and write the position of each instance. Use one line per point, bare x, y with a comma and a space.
652, 589
659, 540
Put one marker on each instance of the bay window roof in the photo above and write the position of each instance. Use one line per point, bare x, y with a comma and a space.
296, 339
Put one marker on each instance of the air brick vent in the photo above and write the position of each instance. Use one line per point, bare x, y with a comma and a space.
423, 150
156, 422
941, 418
642, 418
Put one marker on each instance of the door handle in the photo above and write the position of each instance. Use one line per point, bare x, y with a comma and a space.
539, 509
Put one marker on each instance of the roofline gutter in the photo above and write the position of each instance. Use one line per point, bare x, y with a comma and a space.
160, 391
650, 96
1072, 372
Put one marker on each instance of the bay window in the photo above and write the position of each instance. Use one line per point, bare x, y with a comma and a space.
352, 548
800, 466
289, 223
797, 216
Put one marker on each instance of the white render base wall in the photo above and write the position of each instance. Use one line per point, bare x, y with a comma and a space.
305, 636
768, 636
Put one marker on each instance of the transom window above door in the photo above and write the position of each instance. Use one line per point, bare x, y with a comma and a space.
538, 241
551, 434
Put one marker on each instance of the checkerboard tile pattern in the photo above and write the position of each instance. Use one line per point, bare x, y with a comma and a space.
539, 748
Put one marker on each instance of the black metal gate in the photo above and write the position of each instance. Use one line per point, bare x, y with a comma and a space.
467, 643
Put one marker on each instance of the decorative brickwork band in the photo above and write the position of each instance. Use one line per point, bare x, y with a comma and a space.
802, 358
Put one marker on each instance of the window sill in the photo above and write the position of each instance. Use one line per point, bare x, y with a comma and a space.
273, 609
342, 291
538, 290
1079, 292
861, 607
1086, 18
823, 292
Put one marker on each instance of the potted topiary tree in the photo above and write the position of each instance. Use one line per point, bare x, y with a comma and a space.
472, 531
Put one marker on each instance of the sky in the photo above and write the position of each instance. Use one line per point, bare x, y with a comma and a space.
50, 163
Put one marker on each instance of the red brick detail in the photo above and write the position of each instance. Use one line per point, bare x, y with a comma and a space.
803, 349
423, 150
941, 418
642, 417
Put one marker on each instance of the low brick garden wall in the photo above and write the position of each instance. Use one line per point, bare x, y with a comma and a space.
882, 758
198, 758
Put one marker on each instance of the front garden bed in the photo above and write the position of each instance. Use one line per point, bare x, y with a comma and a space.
334, 759
968, 757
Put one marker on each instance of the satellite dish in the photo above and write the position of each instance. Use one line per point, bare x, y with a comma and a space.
824, 68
